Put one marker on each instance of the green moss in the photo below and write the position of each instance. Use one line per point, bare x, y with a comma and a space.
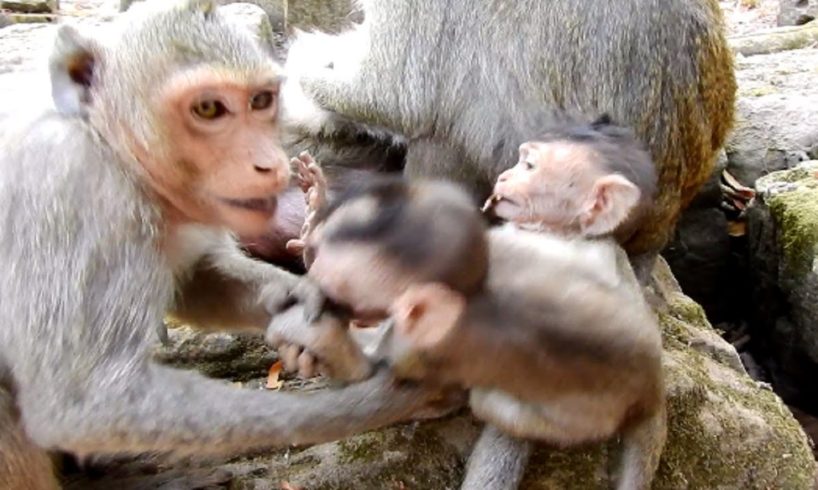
366, 448
783, 460
439, 465
796, 217
576, 468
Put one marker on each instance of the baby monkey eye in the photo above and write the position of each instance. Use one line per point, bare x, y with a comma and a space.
209, 109
529, 165
262, 100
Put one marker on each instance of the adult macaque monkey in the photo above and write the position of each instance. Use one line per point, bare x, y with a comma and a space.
444, 75
119, 205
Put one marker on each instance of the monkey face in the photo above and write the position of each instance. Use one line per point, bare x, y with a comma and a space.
224, 164
359, 276
547, 187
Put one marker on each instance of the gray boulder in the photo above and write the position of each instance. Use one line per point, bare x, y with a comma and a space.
796, 12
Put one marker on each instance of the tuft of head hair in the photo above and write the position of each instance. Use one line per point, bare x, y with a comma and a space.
617, 147
429, 227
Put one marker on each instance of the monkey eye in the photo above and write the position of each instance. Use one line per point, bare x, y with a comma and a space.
529, 165
262, 100
209, 109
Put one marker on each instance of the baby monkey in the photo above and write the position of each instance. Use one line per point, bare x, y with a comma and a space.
536, 324
574, 351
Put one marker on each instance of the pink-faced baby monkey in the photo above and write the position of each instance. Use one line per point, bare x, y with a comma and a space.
581, 180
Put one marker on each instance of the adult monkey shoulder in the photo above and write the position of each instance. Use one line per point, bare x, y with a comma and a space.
98, 200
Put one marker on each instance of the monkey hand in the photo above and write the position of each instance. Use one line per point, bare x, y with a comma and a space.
311, 180
324, 346
277, 297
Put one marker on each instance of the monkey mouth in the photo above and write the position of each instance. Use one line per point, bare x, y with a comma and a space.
262, 204
497, 199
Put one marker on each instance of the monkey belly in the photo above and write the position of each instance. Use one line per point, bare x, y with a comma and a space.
567, 420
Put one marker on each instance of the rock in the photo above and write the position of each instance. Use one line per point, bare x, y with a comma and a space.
774, 40
325, 15
783, 227
777, 122
257, 21
726, 431
221, 355
776, 128
797, 12
31, 6
703, 256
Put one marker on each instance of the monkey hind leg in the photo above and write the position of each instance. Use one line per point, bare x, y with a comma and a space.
642, 448
23, 465
497, 462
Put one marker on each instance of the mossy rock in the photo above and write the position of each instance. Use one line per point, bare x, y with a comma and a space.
792, 198
783, 244
725, 430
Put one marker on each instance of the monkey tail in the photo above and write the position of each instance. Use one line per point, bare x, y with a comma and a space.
643, 444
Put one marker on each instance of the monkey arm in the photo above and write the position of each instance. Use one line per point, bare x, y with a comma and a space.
228, 290
159, 409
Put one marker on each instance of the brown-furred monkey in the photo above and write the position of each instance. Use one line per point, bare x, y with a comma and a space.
464, 83
119, 205
560, 301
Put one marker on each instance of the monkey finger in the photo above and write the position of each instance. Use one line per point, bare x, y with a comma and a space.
306, 157
307, 365
289, 357
295, 246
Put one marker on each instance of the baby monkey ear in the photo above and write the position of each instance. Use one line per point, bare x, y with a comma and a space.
426, 313
611, 201
73, 65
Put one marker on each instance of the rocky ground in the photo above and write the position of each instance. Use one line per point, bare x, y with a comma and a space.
727, 431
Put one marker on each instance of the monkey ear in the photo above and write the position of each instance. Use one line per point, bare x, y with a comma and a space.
426, 313
73, 64
612, 199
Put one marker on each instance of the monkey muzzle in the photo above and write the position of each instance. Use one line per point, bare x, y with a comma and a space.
264, 205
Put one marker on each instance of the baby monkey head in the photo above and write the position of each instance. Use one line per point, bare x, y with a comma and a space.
588, 179
380, 238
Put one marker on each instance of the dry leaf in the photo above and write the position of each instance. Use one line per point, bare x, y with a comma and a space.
273, 383
736, 228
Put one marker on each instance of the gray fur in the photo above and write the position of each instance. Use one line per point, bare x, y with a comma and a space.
86, 279
473, 79
497, 462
